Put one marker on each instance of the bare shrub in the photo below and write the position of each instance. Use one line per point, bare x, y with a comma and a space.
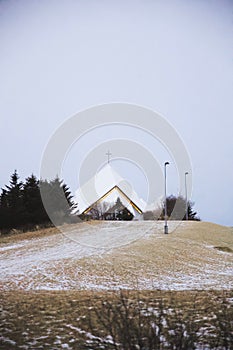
130, 321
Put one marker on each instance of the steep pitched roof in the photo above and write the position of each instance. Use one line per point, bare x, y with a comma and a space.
107, 184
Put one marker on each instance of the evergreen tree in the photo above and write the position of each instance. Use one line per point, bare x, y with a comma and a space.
3, 199
12, 207
118, 212
125, 215
123, 212
176, 209
68, 195
192, 215
36, 213
57, 199
21, 205
118, 203
4, 211
14, 191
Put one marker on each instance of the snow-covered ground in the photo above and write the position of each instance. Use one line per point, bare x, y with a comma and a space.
113, 255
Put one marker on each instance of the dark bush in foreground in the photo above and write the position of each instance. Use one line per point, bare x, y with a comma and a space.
134, 324
132, 320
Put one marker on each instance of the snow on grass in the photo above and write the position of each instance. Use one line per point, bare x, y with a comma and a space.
7, 341
106, 340
121, 255
56, 320
11, 246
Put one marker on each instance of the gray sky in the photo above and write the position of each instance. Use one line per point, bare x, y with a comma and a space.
175, 57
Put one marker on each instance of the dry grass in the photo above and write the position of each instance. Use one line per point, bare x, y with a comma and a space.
160, 261
56, 320
194, 256
187, 258
17, 235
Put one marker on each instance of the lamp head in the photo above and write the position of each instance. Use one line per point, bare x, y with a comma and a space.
167, 163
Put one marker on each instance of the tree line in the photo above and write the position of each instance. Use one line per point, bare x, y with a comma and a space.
21, 204
109, 211
176, 210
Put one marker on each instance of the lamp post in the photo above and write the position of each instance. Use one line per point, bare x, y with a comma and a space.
165, 191
109, 155
186, 197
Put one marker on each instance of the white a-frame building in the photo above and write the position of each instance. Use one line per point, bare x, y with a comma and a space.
106, 186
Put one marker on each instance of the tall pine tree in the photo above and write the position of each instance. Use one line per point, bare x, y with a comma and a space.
4, 211
57, 199
176, 209
36, 213
12, 203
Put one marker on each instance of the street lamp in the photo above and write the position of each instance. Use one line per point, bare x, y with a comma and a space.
186, 197
165, 188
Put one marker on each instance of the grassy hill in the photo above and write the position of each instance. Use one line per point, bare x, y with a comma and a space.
118, 285
116, 255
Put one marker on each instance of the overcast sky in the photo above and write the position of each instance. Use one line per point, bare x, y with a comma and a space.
174, 57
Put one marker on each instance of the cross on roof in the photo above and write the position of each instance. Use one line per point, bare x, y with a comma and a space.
108, 154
